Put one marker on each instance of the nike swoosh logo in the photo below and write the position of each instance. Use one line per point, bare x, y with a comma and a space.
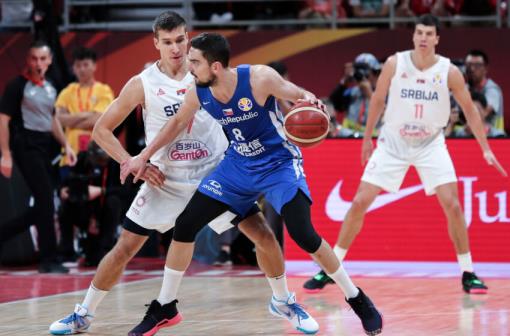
337, 207
205, 103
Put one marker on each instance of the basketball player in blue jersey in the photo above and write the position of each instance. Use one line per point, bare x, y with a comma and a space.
172, 177
259, 160
418, 83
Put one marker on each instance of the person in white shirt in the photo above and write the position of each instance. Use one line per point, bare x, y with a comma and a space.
418, 82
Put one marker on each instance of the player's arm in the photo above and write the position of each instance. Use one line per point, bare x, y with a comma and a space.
461, 94
131, 95
266, 82
376, 106
172, 128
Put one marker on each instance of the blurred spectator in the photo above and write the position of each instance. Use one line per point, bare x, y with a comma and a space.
81, 103
92, 201
465, 131
28, 125
477, 63
434, 7
16, 11
352, 95
370, 8
321, 9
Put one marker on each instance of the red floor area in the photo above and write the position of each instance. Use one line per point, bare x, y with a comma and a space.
25, 283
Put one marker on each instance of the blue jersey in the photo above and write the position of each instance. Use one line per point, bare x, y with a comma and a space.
260, 159
255, 132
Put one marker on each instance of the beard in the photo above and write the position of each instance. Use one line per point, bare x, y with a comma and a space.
204, 84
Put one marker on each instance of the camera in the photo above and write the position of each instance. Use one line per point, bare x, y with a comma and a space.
361, 71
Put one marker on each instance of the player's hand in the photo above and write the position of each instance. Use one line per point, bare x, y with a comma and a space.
489, 156
135, 165
153, 175
367, 148
6, 166
310, 98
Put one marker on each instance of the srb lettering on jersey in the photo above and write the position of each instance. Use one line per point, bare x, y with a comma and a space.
230, 120
171, 110
419, 94
251, 148
188, 150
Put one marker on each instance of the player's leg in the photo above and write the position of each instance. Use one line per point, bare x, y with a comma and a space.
437, 173
383, 171
350, 228
448, 197
296, 214
162, 311
108, 273
270, 260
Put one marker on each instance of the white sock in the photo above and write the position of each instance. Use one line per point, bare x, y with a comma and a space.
339, 252
279, 286
465, 262
93, 298
343, 281
171, 282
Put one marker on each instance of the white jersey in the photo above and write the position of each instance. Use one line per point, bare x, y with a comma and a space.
419, 101
199, 146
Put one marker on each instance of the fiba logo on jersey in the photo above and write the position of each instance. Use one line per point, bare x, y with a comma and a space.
437, 79
188, 150
245, 104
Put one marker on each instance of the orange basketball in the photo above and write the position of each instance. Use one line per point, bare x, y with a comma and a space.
306, 125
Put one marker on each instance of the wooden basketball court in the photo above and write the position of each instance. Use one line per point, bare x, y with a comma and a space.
238, 306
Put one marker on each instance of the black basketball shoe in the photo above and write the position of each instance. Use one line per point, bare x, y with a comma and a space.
157, 316
370, 317
472, 285
318, 282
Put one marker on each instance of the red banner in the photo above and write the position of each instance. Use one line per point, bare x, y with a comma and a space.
408, 225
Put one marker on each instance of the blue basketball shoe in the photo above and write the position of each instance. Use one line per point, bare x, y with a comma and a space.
295, 313
75, 323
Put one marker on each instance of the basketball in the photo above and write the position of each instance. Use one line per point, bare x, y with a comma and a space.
306, 125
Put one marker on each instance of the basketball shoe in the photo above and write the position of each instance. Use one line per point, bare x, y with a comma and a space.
75, 323
295, 313
157, 316
472, 284
318, 282
370, 317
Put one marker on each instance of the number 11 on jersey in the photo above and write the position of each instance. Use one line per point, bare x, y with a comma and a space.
418, 111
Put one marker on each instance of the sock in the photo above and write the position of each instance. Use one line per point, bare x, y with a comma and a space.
339, 252
93, 298
465, 262
279, 286
343, 281
171, 282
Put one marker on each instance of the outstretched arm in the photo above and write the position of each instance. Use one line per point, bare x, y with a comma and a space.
266, 82
167, 134
461, 94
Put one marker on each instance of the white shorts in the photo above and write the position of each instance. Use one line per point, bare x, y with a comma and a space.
158, 208
387, 168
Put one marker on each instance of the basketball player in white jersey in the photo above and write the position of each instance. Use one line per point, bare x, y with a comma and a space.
171, 180
419, 83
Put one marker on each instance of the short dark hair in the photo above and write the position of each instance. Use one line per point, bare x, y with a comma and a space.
82, 53
428, 20
168, 20
214, 47
479, 53
40, 44
280, 67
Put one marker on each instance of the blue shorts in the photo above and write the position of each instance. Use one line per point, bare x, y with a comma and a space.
239, 185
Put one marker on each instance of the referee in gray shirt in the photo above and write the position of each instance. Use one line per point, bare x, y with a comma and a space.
29, 128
